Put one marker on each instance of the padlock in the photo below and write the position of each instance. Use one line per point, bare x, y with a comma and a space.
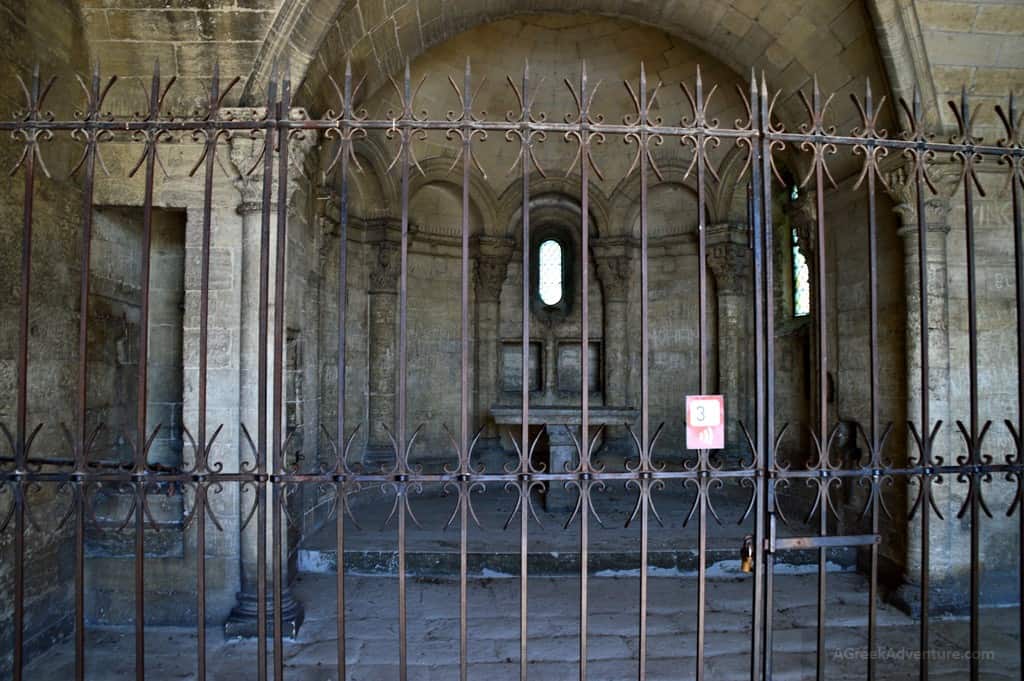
747, 554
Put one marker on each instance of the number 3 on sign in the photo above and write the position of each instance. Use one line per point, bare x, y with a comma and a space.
705, 422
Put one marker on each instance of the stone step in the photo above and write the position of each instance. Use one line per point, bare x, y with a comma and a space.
683, 563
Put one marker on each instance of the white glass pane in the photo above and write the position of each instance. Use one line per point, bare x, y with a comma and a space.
549, 263
801, 281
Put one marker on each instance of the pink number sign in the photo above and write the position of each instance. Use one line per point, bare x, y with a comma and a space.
705, 422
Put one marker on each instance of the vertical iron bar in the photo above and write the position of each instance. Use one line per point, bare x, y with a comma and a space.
974, 446
525, 465
768, 509
584, 489
283, 112
403, 366
81, 451
262, 454
756, 226
345, 144
876, 453
141, 438
926, 438
201, 463
823, 438
645, 452
702, 349
21, 444
465, 453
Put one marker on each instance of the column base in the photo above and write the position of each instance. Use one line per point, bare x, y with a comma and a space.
561, 453
242, 622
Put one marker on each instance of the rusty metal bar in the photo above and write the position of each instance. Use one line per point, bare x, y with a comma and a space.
263, 376
280, 349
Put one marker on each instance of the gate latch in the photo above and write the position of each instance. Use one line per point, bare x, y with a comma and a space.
747, 554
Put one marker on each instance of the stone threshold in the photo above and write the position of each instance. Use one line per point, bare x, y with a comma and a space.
682, 563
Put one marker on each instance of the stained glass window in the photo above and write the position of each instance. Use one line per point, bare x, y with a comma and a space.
549, 264
801, 281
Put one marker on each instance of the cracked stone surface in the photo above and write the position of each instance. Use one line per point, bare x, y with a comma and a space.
553, 642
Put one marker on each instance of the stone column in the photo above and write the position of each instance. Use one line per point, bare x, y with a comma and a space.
383, 354
491, 269
729, 260
244, 154
944, 533
615, 270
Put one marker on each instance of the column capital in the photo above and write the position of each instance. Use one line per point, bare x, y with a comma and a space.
614, 271
384, 271
246, 156
728, 256
902, 187
614, 259
491, 267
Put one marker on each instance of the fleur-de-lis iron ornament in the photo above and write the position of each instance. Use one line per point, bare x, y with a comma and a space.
869, 131
525, 131
152, 135
583, 118
346, 121
466, 130
92, 112
815, 125
30, 135
405, 125
642, 121
702, 138
915, 131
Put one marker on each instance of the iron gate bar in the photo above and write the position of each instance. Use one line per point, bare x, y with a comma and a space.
770, 441
762, 137
974, 438
875, 440
758, 221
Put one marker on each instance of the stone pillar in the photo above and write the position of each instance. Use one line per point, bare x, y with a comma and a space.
244, 154
729, 260
615, 269
944, 533
383, 355
491, 269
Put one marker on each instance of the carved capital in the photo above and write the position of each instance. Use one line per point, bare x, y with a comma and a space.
385, 270
902, 181
614, 272
246, 155
490, 277
730, 265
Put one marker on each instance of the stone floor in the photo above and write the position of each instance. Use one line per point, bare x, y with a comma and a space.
372, 648
370, 547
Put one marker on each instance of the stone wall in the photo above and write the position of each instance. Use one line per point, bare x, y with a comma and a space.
50, 32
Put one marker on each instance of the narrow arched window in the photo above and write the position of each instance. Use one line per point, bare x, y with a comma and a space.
801, 280
550, 271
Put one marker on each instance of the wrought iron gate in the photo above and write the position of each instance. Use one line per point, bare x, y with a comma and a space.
77, 476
